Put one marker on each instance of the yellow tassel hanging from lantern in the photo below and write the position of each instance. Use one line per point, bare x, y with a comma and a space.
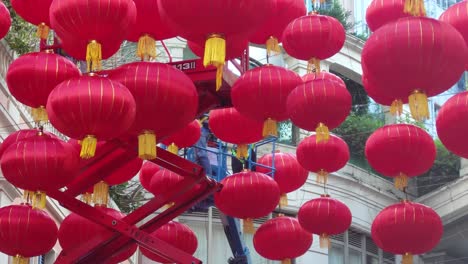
147, 145
272, 46
93, 56
167, 206
322, 177
172, 148
321, 1
407, 259
88, 147
322, 134
101, 193
324, 241
28, 196
286, 261
401, 181
283, 200
242, 151
20, 260
215, 55
39, 200
396, 108
248, 226
39, 114
418, 106
415, 7
146, 48
42, 31
314, 66
87, 197
270, 128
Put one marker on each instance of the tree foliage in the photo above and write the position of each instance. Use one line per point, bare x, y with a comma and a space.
22, 35
334, 9
128, 196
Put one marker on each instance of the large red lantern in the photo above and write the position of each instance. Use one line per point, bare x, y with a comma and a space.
214, 22
26, 232
320, 105
5, 20
18, 136
166, 101
90, 108
32, 77
234, 47
283, 239
74, 20
183, 138
175, 234
164, 180
76, 231
247, 195
314, 38
146, 174
400, 151
325, 217
457, 16
230, 126
381, 12
271, 31
35, 12
396, 57
322, 158
288, 173
396, 104
148, 28
451, 122
407, 229
261, 94
38, 164
323, 75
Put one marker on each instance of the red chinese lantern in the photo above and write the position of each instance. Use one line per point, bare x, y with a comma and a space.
457, 16
247, 195
323, 75
396, 104
234, 47
407, 229
396, 61
26, 232
73, 20
146, 174
35, 12
148, 28
18, 136
324, 157
183, 138
32, 77
282, 238
175, 234
325, 217
5, 20
313, 38
271, 31
400, 151
106, 110
320, 105
213, 22
76, 231
451, 123
288, 173
164, 180
75, 47
230, 126
161, 85
38, 164
381, 12
261, 94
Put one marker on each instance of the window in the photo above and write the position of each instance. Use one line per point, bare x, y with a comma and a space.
336, 254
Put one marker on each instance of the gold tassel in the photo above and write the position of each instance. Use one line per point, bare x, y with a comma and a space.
39, 200
101, 193
242, 151
87, 197
321, 1
39, 114
418, 105
322, 134
93, 56
248, 226
283, 200
146, 48
322, 177
270, 128
314, 66
272, 46
215, 55
396, 108
415, 7
28, 196
20, 260
88, 147
172, 148
167, 206
407, 259
286, 261
401, 181
42, 31
324, 241
147, 145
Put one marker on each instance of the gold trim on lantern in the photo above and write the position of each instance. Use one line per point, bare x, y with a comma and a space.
396, 108
270, 128
18, 259
94, 56
322, 133
101, 193
325, 241
215, 55
322, 177
88, 147
272, 45
407, 259
39, 114
401, 181
147, 145
283, 202
418, 105
146, 49
42, 31
313, 66
415, 7
248, 226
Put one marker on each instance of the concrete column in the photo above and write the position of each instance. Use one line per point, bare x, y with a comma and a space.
463, 167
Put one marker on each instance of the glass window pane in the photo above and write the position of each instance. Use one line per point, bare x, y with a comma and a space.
372, 260
336, 254
354, 257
